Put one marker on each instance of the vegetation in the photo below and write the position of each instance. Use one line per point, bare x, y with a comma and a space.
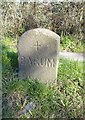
68, 17
63, 99
68, 43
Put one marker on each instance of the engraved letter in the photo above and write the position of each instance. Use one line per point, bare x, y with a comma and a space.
22, 60
36, 61
49, 63
30, 61
42, 62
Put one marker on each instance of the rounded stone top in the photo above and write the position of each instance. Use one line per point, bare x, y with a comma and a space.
42, 31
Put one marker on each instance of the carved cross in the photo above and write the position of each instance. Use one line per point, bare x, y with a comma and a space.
37, 45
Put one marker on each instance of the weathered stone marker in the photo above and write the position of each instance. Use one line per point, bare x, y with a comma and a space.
38, 55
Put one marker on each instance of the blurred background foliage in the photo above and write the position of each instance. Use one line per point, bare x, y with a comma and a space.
63, 18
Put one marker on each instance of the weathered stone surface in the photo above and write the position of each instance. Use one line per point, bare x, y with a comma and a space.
38, 55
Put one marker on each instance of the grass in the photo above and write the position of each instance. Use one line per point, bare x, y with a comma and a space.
71, 70
68, 43
9, 44
61, 100
65, 99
